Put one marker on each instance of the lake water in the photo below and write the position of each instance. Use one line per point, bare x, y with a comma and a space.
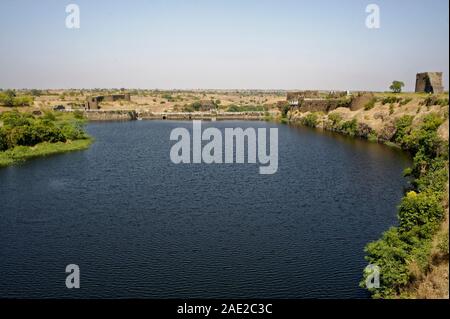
140, 226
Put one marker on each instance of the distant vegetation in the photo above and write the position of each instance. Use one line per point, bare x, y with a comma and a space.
11, 99
247, 108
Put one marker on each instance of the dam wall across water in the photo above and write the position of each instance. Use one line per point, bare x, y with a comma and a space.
131, 115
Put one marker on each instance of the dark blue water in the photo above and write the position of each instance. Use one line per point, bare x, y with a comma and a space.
140, 226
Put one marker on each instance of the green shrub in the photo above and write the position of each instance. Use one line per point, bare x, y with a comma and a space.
424, 140
419, 209
23, 101
406, 101
391, 109
435, 179
350, 127
434, 100
233, 108
284, 109
7, 98
10, 98
15, 118
372, 137
188, 108
310, 120
73, 131
47, 132
443, 244
390, 253
78, 115
21, 135
49, 116
371, 104
391, 100
22, 129
402, 126
3, 140
247, 108
335, 119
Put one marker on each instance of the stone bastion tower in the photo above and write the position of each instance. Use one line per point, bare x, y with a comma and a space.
429, 82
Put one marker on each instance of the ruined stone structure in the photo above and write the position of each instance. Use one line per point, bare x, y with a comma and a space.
92, 103
317, 101
429, 82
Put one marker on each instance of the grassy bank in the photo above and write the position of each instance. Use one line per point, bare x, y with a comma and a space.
412, 256
21, 153
24, 135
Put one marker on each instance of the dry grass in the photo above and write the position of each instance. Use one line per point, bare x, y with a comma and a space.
157, 101
434, 284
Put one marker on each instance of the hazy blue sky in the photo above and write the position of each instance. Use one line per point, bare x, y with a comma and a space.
286, 44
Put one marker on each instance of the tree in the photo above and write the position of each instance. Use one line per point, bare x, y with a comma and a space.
397, 86
35, 92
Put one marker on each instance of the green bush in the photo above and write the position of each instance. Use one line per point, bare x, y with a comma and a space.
435, 179
391, 109
3, 140
335, 119
233, 108
284, 108
371, 104
390, 253
406, 101
402, 126
424, 142
15, 118
7, 98
434, 100
247, 108
23, 101
350, 127
22, 129
419, 209
73, 131
443, 244
20, 135
46, 132
78, 115
10, 98
391, 100
188, 108
310, 120
49, 116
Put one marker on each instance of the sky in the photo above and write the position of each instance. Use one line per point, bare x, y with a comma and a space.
222, 44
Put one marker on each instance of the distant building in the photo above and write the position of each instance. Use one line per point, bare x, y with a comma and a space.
92, 103
429, 82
